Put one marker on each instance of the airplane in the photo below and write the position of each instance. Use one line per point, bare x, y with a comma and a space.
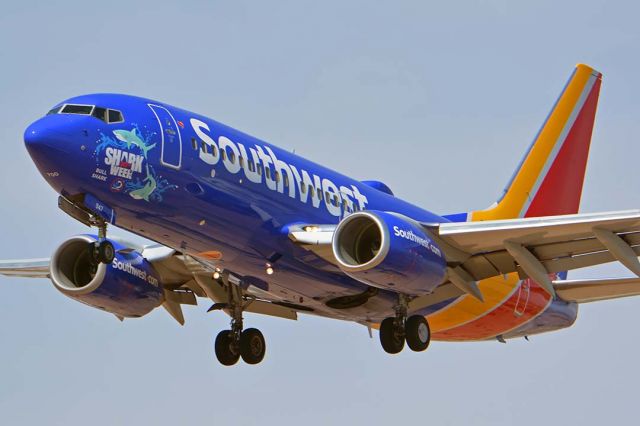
254, 228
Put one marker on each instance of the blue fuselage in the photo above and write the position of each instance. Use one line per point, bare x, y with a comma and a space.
205, 189
210, 191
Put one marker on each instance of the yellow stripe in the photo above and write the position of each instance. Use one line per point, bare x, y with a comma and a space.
519, 191
494, 290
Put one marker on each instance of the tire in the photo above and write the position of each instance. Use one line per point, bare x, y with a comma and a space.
252, 346
224, 348
106, 252
391, 342
418, 333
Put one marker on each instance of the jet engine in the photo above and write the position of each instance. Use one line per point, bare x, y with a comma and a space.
126, 287
388, 251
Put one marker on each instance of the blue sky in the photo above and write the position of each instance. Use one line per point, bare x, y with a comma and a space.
437, 99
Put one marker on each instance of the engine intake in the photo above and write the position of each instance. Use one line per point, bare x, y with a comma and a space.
387, 251
127, 287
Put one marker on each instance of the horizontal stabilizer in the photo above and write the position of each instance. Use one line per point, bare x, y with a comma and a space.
584, 291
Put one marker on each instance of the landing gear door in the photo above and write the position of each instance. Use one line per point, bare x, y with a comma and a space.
171, 141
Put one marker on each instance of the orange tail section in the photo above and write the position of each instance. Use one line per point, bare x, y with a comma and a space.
549, 180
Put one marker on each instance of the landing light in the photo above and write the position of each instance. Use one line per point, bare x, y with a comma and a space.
269, 269
311, 228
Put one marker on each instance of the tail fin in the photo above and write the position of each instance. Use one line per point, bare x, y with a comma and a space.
549, 179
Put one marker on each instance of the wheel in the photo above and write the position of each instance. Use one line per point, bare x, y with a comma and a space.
392, 341
106, 252
224, 348
417, 333
252, 346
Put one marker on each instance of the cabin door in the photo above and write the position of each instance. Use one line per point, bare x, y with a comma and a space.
170, 138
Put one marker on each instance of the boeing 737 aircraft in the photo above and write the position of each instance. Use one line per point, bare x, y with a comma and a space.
258, 229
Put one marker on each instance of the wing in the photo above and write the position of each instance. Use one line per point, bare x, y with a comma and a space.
28, 268
533, 247
183, 278
538, 247
585, 291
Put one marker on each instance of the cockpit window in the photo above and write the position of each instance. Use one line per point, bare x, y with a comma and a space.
55, 110
104, 114
77, 109
100, 113
114, 116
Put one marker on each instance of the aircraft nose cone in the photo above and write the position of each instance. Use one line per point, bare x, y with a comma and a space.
49, 147
40, 135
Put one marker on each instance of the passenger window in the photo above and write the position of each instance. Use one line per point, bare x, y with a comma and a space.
277, 176
194, 143
319, 194
232, 157
267, 172
259, 168
252, 165
114, 116
336, 201
204, 147
223, 154
303, 189
241, 159
214, 150
285, 178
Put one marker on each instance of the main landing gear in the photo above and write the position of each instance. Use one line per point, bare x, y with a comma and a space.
235, 343
395, 331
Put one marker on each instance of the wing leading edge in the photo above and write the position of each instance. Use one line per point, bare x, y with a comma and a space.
533, 247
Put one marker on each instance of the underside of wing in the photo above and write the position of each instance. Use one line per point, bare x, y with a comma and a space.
537, 247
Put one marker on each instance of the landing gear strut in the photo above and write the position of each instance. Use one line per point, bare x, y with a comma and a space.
102, 251
232, 344
396, 330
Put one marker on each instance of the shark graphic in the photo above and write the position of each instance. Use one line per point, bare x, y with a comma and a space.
147, 190
134, 138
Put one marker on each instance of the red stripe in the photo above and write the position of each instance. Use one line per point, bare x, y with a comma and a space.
504, 318
561, 189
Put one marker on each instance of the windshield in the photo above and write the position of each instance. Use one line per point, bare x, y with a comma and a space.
104, 114
77, 109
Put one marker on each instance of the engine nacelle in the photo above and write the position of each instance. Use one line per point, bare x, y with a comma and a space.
387, 251
127, 287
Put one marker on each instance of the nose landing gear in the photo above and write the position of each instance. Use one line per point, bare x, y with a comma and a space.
394, 331
102, 251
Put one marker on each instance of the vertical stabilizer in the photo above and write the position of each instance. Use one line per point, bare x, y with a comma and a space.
549, 179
